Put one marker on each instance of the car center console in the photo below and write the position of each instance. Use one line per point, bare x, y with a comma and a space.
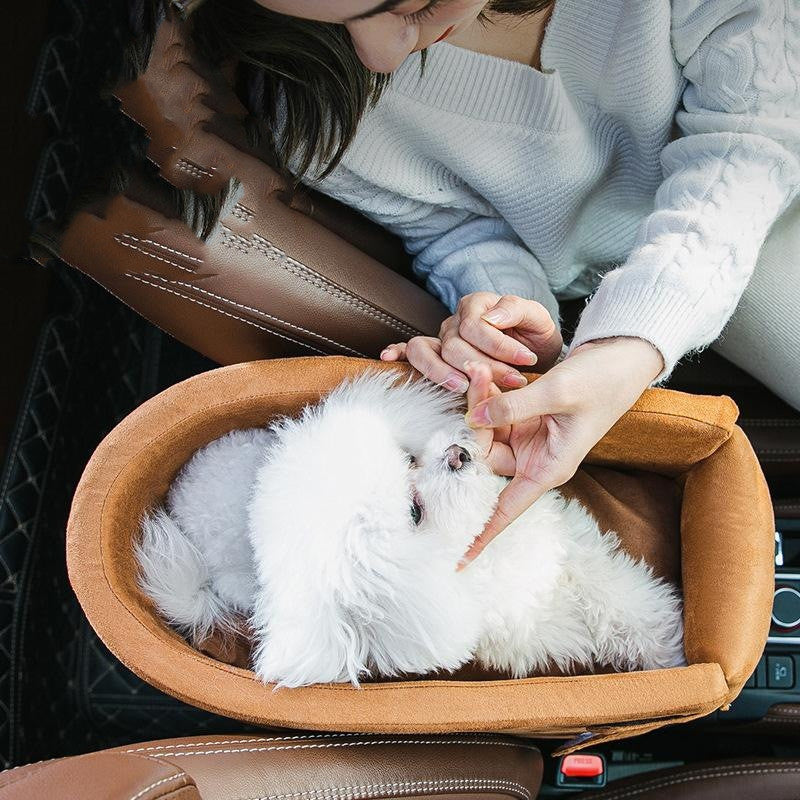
777, 677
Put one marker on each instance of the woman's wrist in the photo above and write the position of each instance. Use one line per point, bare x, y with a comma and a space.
641, 360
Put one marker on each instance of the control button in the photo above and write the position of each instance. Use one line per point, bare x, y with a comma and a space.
582, 766
780, 672
786, 607
584, 771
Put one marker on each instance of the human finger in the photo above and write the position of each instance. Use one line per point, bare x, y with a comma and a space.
550, 394
490, 340
424, 354
456, 351
501, 459
517, 312
520, 494
394, 352
480, 385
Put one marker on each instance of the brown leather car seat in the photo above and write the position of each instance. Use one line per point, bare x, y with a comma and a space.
279, 274
289, 767
742, 779
350, 767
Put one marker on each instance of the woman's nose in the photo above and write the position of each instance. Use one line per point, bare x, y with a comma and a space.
456, 456
383, 42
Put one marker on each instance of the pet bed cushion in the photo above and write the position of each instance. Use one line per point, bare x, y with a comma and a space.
688, 446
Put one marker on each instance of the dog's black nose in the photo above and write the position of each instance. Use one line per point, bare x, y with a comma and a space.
457, 456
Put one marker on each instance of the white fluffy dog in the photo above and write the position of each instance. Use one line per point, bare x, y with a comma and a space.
338, 534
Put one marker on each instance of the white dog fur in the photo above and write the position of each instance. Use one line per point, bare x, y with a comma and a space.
307, 529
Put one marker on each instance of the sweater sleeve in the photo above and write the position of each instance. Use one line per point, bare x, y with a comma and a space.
480, 254
729, 176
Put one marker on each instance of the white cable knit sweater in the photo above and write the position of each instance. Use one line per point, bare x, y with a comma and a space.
554, 183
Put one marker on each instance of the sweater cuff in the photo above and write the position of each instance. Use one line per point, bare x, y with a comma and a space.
502, 282
658, 313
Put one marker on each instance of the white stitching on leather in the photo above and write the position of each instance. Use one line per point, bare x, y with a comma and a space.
193, 169
394, 788
32, 764
118, 239
331, 745
225, 313
786, 710
303, 737
243, 213
235, 241
158, 783
699, 775
266, 248
257, 311
161, 247
778, 450
305, 273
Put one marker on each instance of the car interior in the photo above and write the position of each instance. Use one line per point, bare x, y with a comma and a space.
96, 325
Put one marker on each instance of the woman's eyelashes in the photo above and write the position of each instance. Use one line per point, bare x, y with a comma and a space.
424, 13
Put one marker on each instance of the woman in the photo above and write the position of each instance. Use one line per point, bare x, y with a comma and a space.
637, 151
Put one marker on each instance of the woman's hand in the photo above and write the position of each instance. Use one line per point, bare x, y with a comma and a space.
545, 430
489, 329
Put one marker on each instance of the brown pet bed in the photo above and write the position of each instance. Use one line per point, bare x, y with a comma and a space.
676, 478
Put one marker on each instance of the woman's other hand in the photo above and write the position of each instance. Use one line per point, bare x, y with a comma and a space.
501, 332
544, 431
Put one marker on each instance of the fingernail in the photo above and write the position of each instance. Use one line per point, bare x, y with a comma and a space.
514, 380
495, 316
525, 356
384, 353
461, 564
455, 383
479, 417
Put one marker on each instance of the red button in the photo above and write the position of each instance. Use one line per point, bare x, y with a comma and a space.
582, 766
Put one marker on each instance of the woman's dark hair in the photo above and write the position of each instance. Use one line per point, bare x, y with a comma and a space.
308, 70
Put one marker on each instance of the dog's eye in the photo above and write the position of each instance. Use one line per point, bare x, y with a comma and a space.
412, 460
416, 512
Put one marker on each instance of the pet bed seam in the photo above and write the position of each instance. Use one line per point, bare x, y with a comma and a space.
673, 415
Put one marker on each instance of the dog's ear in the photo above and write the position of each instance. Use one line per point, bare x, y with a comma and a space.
301, 640
423, 620
318, 600
363, 611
